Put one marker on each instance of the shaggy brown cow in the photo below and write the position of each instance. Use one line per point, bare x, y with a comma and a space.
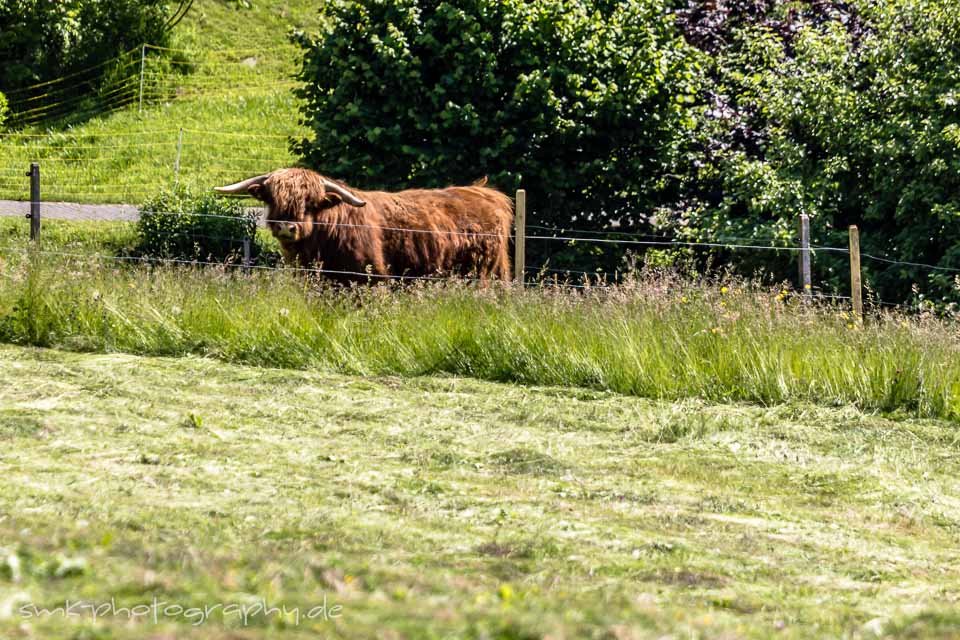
419, 232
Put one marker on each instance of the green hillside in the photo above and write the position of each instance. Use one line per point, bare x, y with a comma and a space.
226, 80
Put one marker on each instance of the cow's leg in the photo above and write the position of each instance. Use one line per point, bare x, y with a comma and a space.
502, 262
290, 256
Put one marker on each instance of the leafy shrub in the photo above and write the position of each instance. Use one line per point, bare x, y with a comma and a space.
179, 225
3, 109
847, 111
583, 103
720, 120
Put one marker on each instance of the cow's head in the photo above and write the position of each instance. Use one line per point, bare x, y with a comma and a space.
294, 198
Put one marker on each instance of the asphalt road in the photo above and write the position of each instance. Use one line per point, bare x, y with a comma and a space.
71, 211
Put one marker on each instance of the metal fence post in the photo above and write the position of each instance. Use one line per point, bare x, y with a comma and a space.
34, 215
806, 285
176, 162
520, 237
143, 64
246, 253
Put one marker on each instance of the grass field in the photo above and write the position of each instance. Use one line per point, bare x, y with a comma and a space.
448, 507
673, 457
658, 336
227, 82
93, 236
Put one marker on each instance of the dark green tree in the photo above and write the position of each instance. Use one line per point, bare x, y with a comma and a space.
715, 121
847, 111
41, 40
583, 103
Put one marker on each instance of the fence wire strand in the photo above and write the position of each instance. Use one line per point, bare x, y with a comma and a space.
234, 265
71, 75
910, 264
447, 232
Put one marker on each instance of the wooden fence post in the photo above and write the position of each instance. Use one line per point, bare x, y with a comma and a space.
806, 285
34, 215
856, 287
520, 237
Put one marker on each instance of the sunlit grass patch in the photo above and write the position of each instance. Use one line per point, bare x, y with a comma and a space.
218, 106
656, 335
455, 507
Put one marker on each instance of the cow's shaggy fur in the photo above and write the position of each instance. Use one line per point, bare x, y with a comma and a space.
419, 232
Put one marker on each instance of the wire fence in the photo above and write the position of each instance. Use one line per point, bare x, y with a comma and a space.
88, 168
239, 255
95, 90
150, 75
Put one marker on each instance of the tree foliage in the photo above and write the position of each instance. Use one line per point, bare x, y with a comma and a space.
44, 39
581, 102
714, 120
847, 111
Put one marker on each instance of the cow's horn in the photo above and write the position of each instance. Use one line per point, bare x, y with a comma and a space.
343, 193
242, 187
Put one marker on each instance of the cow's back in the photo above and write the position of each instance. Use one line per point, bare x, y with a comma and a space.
458, 229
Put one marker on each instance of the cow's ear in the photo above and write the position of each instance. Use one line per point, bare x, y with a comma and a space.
330, 199
256, 190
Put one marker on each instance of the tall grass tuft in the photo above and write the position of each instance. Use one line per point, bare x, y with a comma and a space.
657, 335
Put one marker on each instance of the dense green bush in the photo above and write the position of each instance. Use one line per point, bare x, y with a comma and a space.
581, 102
849, 112
182, 226
711, 121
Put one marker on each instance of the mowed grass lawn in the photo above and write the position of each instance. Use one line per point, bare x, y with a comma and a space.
449, 507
